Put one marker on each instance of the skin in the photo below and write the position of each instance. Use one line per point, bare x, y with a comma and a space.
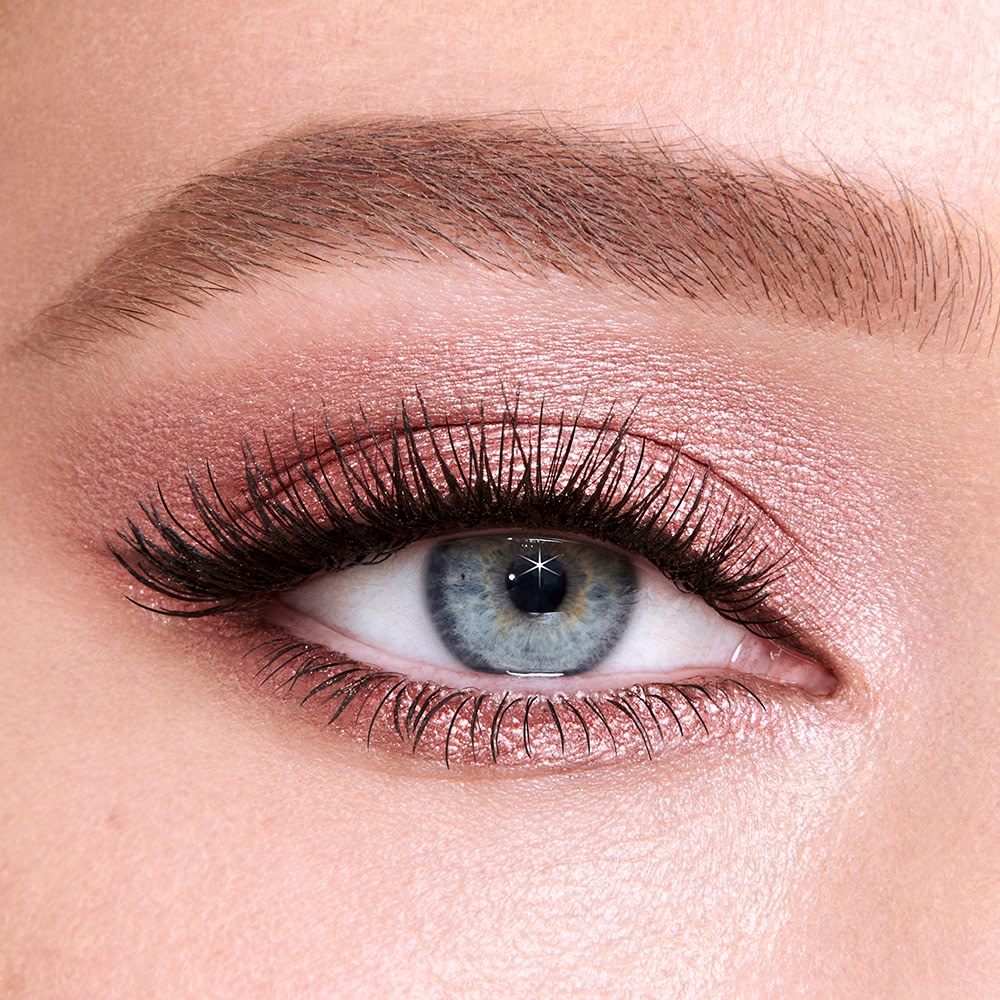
167, 830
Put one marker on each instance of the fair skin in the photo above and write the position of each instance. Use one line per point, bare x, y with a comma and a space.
168, 829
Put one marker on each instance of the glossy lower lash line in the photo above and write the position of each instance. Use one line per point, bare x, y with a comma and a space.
356, 497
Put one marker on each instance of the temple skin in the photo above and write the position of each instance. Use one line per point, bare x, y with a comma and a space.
168, 831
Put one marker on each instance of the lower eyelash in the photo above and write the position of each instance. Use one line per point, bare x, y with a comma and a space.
469, 727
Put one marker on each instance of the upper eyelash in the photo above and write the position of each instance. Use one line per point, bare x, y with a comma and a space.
422, 477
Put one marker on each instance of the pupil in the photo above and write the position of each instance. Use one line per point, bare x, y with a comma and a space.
536, 584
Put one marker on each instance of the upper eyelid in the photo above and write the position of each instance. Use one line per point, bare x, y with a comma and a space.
276, 483
278, 475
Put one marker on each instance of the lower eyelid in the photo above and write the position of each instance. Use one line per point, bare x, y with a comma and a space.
516, 731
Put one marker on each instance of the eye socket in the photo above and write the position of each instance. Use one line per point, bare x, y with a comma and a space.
519, 611
323, 562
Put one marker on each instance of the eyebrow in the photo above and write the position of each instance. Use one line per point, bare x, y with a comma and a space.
667, 220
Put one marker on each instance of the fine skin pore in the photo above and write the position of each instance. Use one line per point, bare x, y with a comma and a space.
171, 828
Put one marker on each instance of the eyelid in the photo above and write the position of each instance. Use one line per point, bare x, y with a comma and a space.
349, 496
368, 487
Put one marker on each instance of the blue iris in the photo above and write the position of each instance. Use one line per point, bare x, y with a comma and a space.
521, 605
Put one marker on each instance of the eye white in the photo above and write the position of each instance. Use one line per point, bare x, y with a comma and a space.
379, 614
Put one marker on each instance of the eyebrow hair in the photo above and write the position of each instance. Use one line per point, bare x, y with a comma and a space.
668, 220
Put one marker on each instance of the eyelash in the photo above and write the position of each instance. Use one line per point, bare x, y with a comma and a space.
358, 497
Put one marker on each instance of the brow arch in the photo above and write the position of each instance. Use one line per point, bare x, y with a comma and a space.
666, 220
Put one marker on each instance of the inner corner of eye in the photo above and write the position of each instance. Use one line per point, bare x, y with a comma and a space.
506, 608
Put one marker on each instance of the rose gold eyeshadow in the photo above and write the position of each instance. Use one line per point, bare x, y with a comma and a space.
469, 728
719, 416
354, 493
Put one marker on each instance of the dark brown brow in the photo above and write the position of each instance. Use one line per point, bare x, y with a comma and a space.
524, 197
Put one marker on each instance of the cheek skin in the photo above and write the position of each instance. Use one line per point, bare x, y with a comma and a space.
324, 831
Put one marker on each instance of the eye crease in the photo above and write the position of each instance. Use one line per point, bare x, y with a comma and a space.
486, 590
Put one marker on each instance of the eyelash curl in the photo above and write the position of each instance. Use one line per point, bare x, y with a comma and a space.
356, 497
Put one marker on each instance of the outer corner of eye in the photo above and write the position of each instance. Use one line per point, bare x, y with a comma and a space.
770, 661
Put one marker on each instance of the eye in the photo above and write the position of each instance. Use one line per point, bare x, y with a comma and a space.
556, 614
478, 590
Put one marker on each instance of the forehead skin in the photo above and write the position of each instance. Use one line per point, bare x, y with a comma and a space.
195, 860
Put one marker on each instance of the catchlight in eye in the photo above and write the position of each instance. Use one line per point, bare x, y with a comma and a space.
538, 606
